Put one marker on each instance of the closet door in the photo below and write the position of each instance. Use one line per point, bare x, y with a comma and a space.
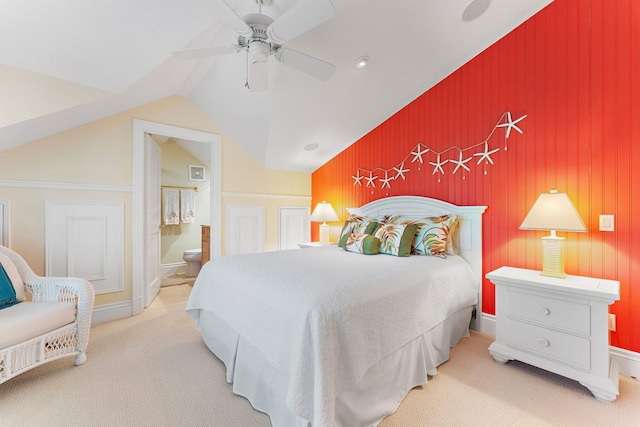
244, 229
294, 227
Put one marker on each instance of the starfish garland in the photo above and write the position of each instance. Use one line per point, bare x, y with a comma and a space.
419, 151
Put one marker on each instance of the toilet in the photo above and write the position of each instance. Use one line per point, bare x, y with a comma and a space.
192, 257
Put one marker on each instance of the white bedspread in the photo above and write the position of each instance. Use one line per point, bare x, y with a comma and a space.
324, 315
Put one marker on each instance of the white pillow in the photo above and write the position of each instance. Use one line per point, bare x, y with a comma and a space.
14, 276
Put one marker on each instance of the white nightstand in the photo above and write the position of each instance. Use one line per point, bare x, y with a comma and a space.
315, 244
560, 325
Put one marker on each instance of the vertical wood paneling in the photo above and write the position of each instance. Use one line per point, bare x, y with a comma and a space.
574, 70
634, 187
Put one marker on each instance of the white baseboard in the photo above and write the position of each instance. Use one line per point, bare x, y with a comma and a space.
109, 312
488, 325
173, 268
628, 361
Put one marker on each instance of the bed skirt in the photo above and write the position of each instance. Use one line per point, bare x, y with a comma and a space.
376, 396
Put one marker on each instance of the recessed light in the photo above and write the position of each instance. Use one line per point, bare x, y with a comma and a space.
475, 9
361, 62
311, 147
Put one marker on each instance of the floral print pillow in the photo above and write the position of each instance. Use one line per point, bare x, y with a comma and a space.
358, 225
362, 243
433, 234
396, 239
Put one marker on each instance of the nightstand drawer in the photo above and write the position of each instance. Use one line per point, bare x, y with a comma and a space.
546, 311
562, 348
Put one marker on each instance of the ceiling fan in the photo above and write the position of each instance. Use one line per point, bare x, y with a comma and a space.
260, 36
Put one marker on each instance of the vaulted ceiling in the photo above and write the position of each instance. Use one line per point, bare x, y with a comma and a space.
65, 63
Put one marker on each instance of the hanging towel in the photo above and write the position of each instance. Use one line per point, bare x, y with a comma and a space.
170, 207
187, 206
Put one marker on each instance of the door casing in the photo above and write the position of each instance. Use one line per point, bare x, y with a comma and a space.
139, 222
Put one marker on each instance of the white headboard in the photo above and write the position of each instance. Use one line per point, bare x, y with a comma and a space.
470, 228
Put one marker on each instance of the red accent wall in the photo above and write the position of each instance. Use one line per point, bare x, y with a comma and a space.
574, 69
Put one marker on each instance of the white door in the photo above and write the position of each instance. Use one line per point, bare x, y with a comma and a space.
244, 229
294, 227
152, 219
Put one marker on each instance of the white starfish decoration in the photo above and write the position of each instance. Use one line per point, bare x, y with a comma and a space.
357, 179
460, 163
371, 180
511, 124
400, 170
486, 154
438, 165
385, 181
418, 154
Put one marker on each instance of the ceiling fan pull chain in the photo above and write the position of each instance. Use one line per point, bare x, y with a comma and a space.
246, 74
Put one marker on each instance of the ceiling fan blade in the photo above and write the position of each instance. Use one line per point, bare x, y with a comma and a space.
300, 18
229, 16
307, 64
258, 76
201, 52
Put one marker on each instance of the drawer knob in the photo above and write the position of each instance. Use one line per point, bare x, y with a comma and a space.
544, 311
544, 343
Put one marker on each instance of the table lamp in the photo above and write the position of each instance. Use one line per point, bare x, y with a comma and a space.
553, 211
322, 213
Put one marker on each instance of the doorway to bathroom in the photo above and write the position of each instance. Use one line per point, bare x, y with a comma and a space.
202, 149
185, 203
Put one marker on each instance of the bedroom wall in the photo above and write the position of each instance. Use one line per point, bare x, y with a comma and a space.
94, 163
573, 70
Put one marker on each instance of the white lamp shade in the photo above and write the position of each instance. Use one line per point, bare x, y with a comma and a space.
553, 211
324, 212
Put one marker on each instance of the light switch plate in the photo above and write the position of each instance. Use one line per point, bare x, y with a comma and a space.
606, 223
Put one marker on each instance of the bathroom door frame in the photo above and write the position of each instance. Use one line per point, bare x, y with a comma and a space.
139, 221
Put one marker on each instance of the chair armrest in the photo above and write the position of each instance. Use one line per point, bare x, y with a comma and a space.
66, 289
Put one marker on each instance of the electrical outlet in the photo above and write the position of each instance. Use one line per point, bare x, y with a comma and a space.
612, 322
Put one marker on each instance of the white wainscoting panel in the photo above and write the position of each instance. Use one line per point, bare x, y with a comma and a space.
4, 223
294, 227
244, 229
85, 239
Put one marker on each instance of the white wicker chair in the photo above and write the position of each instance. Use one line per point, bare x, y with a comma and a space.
65, 341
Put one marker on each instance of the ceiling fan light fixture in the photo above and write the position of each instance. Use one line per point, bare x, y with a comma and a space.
259, 50
361, 62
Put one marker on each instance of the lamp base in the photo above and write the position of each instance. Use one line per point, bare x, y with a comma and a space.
553, 257
324, 233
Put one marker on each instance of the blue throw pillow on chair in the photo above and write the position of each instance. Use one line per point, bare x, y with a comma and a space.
7, 293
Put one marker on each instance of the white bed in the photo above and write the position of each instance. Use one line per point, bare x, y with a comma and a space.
324, 337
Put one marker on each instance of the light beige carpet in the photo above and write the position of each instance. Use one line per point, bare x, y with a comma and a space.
153, 370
